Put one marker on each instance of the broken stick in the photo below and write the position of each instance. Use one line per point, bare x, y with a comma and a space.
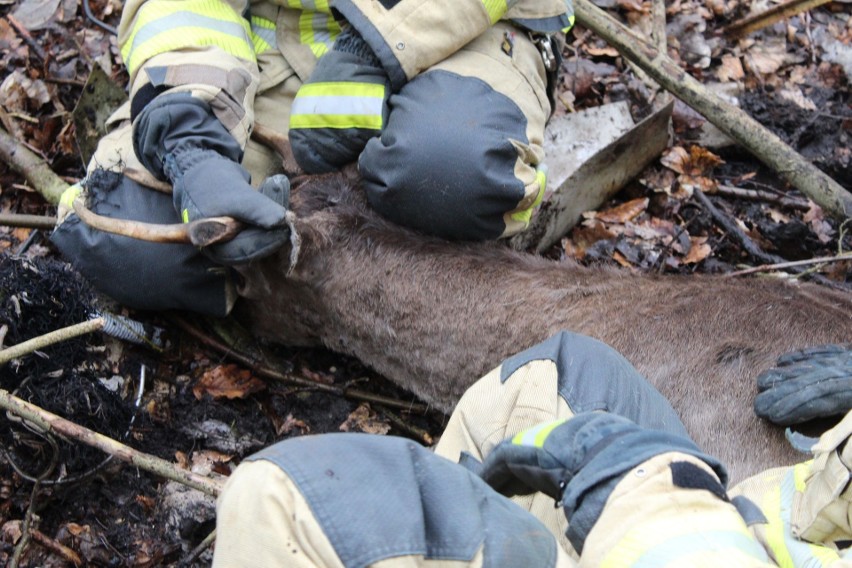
734, 122
34, 169
50, 422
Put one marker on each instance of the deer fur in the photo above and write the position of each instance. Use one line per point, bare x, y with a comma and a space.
434, 316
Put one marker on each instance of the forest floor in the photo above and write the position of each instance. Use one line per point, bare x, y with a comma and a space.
197, 408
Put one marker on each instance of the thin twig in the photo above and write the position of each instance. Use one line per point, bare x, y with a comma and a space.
755, 22
27, 221
733, 230
42, 341
253, 365
750, 247
422, 435
51, 422
26, 531
196, 552
731, 120
26, 36
32, 166
57, 548
790, 264
760, 195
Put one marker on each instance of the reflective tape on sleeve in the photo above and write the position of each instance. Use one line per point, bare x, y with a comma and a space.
168, 26
496, 9
263, 34
338, 105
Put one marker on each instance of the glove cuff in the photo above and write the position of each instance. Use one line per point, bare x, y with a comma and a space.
350, 41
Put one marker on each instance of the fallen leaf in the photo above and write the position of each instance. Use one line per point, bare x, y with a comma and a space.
204, 461
289, 424
634, 6
674, 158
698, 251
11, 531
18, 92
363, 419
227, 381
795, 95
35, 14
731, 69
182, 460
620, 259
624, 212
602, 51
589, 233
147, 503
764, 60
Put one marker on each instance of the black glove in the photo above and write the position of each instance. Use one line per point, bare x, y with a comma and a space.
341, 106
177, 137
807, 384
579, 462
206, 184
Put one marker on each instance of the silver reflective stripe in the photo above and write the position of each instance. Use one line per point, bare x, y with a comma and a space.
670, 551
186, 19
338, 105
800, 552
266, 34
319, 24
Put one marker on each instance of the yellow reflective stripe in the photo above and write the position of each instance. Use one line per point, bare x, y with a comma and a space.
536, 435
166, 26
69, 195
185, 215
800, 474
370, 122
524, 215
570, 24
263, 34
788, 551
661, 543
495, 9
338, 105
342, 89
318, 31
310, 5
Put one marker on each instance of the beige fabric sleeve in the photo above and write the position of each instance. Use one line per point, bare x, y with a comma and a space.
491, 411
648, 521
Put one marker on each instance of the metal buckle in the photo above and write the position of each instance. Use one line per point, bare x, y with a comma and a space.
544, 43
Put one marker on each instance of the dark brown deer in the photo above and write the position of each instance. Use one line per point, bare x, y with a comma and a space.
434, 316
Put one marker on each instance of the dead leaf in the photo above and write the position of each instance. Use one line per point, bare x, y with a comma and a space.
624, 212
227, 381
674, 158
698, 251
620, 259
35, 14
182, 460
18, 92
634, 6
289, 424
147, 503
21, 234
204, 461
363, 419
731, 69
659, 180
11, 531
796, 96
765, 59
604, 50
589, 233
